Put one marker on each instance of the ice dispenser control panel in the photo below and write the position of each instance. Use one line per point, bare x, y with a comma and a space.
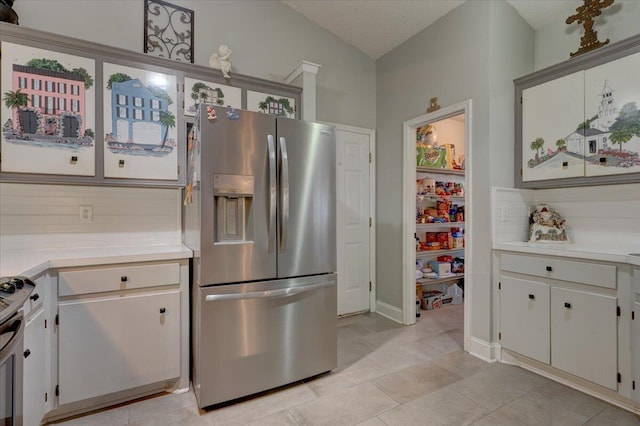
233, 195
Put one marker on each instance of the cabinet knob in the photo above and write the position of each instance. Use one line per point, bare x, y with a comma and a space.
124, 278
565, 164
549, 269
532, 297
603, 159
74, 159
567, 305
162, 310
27, 353
120, 163
34, 297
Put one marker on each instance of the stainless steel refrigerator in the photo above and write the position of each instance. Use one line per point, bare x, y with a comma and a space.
261, 222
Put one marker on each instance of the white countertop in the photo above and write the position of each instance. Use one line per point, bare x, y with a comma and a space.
33, 262
587, 251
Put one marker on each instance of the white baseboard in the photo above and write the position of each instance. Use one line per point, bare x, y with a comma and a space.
389, 311
484, 350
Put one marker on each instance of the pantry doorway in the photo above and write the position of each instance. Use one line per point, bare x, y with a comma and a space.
437, 164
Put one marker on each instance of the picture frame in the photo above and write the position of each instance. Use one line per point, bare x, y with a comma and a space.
200, 91
140, 123
269, 103
47, 111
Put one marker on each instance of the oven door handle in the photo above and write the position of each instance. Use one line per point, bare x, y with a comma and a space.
283, 292
9, 339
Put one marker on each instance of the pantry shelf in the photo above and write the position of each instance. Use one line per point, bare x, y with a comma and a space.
431, 253
424, 226
438, 197
442, 171
454, 277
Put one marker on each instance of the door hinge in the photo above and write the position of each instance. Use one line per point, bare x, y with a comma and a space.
500, 335
46, 396
57, 319
370, 221
521, 100
369, 285
45, 323
618, 310
633, 315
57, 390
370, 157
499, 285
633, 385
619, 378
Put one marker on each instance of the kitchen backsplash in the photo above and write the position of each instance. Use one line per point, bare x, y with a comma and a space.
49, 216
606, 214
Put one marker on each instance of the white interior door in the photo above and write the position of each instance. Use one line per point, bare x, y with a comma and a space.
353, 213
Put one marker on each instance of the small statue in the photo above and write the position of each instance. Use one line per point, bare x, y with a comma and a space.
222, 60
546, 225
7, 14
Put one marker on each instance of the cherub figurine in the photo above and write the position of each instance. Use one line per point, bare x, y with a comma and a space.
222, 60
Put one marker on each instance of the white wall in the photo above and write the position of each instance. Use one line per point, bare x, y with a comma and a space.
268, 40
475, 51
555, 41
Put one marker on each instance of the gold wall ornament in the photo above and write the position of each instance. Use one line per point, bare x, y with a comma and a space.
433, 105
585, 14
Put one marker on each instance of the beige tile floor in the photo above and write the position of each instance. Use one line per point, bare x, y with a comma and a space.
392, 375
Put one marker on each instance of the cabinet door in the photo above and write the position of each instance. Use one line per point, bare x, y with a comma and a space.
552, 145
34, 370
117, 343
524, 317
584, 337
612, 97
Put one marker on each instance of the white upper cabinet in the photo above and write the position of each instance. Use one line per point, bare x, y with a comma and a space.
578, 122
552, 147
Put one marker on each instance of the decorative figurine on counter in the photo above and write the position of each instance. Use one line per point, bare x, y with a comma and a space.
547, 226
222, 60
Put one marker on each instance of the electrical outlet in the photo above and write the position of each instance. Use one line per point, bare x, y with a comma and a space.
86, 214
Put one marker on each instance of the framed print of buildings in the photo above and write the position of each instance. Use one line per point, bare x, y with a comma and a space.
47, 112
139, 123
199, 91
281, 106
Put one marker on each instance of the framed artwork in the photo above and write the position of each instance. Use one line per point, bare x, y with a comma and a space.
139, 123
612, 102
281, 106
47, 112
168, 30
199, 91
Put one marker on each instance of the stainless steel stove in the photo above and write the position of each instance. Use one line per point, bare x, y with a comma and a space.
14, 292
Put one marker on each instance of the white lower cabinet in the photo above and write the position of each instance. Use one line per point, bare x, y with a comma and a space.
34, 368
571, 325
584, 337
114, 343
525, 318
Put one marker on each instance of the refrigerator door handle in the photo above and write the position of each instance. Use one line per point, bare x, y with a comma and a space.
272, 191
283, 292
284, 194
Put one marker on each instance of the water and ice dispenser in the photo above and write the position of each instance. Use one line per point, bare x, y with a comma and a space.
233, 195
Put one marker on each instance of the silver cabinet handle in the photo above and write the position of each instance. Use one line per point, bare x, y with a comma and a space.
284, 194
272, 191
283, 292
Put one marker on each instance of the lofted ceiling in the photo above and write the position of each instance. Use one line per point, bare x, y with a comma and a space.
377, 26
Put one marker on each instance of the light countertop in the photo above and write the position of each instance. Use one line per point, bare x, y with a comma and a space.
33, 262
586, 251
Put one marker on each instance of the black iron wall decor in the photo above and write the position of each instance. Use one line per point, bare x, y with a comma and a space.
168, 30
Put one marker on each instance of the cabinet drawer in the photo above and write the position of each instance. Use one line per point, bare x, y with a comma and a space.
560, 269
36, 298
117, 278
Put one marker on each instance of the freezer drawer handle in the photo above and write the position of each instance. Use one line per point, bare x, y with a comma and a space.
283, 292
272, 191
284, 194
